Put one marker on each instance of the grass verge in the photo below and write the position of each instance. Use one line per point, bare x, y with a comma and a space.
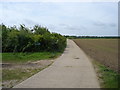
18, 74
108, 78
13, 76
25, 57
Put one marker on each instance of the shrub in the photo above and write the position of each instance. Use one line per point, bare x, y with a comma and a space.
23, 39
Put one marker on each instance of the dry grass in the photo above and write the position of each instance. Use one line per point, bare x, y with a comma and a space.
13, 74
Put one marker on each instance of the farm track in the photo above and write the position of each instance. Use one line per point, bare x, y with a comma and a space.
72, 69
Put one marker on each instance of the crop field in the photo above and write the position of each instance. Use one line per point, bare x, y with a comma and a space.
103, 50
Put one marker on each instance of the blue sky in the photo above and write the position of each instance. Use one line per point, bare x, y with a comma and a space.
66, 18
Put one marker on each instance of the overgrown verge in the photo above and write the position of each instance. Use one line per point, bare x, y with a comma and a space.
107, 77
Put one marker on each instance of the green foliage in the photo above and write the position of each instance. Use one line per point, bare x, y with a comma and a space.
109, 78
40, 30
25, 57
23, 39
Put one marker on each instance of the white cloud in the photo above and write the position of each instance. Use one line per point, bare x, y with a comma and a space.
60, 0
83, 18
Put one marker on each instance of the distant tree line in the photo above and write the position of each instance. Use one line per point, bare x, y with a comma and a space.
89, 37
23, 39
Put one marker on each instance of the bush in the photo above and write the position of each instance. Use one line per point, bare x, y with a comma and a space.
23, 39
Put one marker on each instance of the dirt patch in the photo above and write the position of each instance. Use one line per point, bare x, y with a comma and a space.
15, 73
36, 64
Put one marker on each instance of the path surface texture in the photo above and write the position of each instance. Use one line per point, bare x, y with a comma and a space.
72, 69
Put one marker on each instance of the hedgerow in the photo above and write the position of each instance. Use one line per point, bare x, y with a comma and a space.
38, 39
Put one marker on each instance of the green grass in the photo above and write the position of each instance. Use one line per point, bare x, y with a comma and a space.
18, 74
25, 57
12, 76
108, 77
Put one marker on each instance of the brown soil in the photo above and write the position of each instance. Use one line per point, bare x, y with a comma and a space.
29, 65
103, 50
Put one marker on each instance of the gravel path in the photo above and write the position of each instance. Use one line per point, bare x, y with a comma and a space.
72, 69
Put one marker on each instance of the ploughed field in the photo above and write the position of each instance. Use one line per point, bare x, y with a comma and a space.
103, 50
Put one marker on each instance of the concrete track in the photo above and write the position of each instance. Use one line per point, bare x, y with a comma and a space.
72, 69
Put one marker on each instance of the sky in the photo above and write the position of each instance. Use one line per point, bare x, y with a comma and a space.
66, 18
